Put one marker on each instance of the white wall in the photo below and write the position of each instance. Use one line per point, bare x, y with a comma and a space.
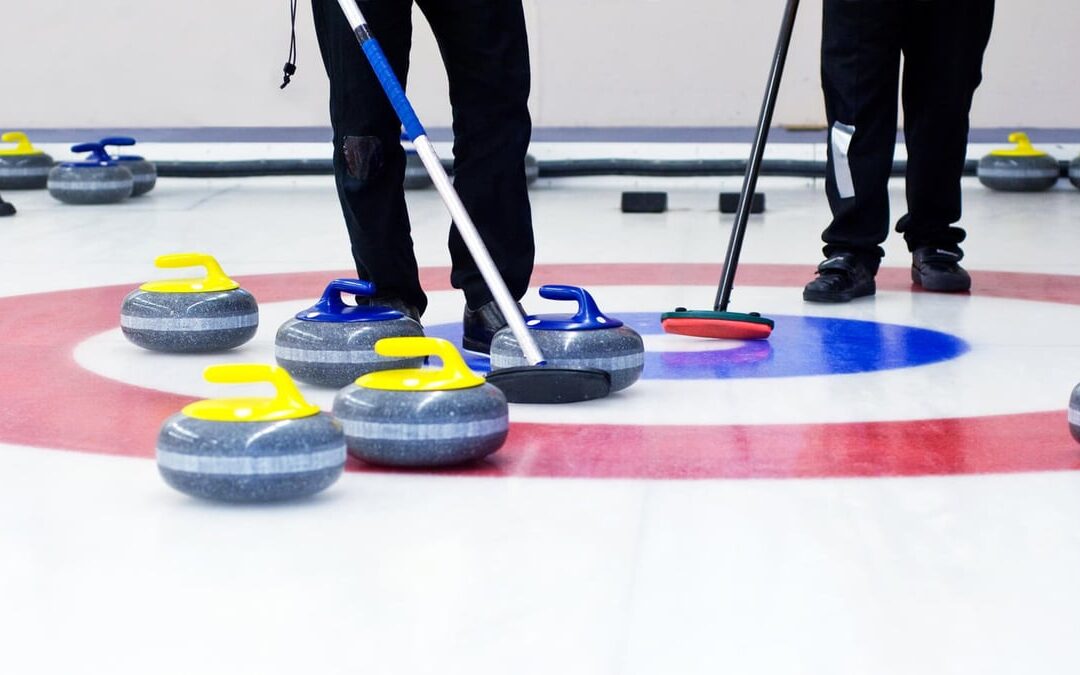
163, 63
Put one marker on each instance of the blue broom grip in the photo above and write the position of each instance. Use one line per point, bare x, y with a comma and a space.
393, 89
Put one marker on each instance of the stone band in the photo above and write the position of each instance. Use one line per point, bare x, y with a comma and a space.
192, 324
424, 432
252, 466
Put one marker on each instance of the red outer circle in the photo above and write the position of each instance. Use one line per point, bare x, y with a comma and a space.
48, 401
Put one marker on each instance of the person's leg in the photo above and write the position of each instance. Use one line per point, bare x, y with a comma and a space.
486, 52
860, 67
369, 162
943, 54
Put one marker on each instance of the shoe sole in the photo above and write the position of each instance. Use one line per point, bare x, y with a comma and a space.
847, 296
477, 346
960, 287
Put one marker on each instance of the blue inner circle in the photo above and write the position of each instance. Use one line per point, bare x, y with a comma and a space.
799, 346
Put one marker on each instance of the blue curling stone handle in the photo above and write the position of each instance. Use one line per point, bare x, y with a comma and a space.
98, 156
118, 140
588, 316
332, 309
121, 141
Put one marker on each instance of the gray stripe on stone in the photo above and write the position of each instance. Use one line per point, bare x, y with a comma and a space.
1017, 172
252, 466
89, 185
1074, 416
424, 432
193, 324
326, 355
609, 363
25, 171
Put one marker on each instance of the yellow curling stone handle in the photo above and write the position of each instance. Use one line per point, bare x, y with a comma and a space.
286, 404
215, 279
23, 146
1023, 148
454, 373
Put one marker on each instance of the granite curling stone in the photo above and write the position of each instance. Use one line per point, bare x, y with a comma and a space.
210, 314
424, 417
98, 180
254, 449
1019, 169
1074, 172
143, 172
331, 344
23, 167
1074, 413
588, 339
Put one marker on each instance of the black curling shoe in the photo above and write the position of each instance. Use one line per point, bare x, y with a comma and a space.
480, 325
6, 209
841, 278
938, 270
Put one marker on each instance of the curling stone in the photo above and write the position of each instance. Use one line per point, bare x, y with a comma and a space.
210, 314
143, 173
1019, 169
416, 176
1074, 172
1074, 414
98, 180
423, 417
331, 343
23, 167
588, 339
251, 449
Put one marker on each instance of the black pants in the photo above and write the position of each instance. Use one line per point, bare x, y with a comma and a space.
942, 42
484, 48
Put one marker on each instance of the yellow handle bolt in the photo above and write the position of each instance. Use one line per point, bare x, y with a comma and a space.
287, 402
453, 374
23, 146
215, 278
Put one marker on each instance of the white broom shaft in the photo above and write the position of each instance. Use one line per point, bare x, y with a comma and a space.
484, 263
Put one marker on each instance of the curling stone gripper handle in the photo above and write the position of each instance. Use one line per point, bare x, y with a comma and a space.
416, 347
96, 150
286, 396
358, 287
587, 313
1021, 140
22, 143
331, 302
453, 366
214, 273
117, 140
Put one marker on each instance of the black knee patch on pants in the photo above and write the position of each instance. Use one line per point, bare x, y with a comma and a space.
363, 156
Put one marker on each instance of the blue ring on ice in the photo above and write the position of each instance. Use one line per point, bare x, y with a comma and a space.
799, 346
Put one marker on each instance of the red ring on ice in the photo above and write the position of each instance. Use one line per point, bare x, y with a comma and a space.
48, 401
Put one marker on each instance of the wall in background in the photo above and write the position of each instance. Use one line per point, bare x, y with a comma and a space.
123, 63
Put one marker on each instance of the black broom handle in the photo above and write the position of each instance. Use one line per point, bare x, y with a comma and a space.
742, 214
